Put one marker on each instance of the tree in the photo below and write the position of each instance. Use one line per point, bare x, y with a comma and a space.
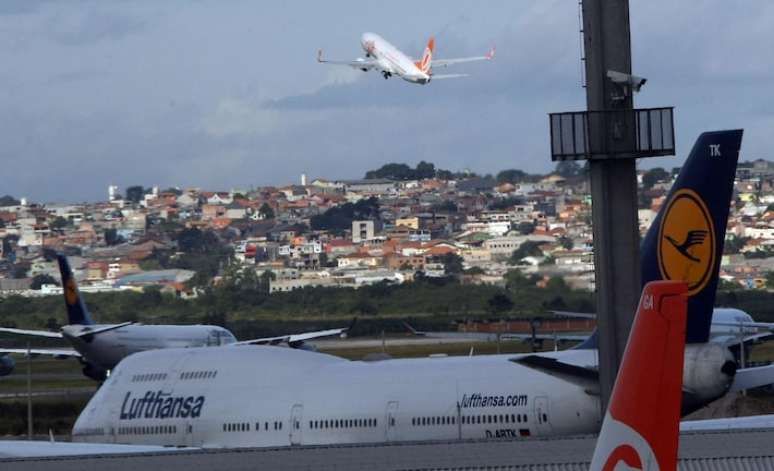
527, 248
511, 176
339, 218
566, 243
525, 228
452, 263
734, 244
266, 211
135, 193
20, 270
653, 176
499, 303
59, 223
42, 279
770, 279
9, 200
112, 237
568, 168
424, 170
448, 206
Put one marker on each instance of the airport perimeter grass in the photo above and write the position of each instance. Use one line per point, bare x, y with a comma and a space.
59, 413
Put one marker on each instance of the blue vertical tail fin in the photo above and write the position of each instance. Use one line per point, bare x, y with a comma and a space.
77, 314
685, 241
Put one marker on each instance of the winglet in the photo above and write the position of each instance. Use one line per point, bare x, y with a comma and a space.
641, 425
319, 56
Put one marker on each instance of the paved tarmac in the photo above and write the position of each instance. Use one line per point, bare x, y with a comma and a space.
706, 451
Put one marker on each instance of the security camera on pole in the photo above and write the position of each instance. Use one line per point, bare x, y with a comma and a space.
612, 135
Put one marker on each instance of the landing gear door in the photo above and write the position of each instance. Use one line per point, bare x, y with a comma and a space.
391, 421
542, 416
296, 422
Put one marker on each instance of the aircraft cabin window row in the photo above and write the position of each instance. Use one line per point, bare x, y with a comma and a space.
149, 377
495, 419
198, 374
147, 430
245, 426
342, 423
239, 427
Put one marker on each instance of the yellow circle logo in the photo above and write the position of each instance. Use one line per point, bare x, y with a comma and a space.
686, 242
71, 292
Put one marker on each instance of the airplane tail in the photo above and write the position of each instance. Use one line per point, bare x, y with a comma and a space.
642, 422
427, 57
685, 240
77, 314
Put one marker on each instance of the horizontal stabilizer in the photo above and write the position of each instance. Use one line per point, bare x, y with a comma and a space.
89, 331
586, 378
748, 378
447, 76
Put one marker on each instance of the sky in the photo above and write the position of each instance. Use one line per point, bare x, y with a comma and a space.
228, 95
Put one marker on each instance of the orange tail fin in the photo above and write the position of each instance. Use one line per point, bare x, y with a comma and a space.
427, 57
642, 420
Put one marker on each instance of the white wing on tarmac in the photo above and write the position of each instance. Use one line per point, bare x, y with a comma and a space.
35, 449
31, 333
58, 353
294, 338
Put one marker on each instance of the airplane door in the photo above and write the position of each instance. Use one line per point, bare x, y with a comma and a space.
542, 419
391, 421
296, 421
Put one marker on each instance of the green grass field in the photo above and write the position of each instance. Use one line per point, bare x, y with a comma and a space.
58, 413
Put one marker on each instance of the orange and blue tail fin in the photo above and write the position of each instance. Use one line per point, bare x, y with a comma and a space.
685, 241
641, 425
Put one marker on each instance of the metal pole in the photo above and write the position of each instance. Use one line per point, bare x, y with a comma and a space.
613, 184
29, 392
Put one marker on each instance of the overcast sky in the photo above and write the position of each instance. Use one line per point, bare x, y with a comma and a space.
227, 94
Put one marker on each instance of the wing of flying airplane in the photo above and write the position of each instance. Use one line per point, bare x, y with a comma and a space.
359, 63
434, 63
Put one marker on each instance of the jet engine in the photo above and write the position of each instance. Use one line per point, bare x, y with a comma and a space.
707, 375
7, 365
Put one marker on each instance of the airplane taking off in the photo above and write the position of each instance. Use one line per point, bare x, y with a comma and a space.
389, 60
100, 347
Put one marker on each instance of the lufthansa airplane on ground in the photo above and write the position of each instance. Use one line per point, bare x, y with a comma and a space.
640, 425
389, 60
100, 347
219, 398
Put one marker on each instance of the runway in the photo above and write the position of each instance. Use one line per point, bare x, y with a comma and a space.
706, 450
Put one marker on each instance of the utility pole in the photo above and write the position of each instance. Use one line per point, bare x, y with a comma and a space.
607, 46
611, 134
29, 392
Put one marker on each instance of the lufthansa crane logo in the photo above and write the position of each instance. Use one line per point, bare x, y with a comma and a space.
686, 243
71, 292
